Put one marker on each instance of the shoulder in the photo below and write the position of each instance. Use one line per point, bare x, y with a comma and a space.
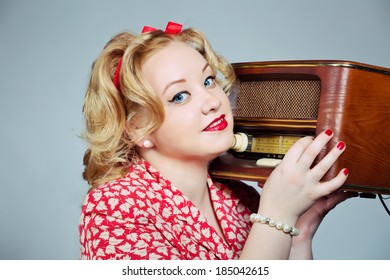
118, 198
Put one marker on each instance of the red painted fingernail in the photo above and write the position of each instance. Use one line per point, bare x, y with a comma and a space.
345, 171
340, 145
328, 132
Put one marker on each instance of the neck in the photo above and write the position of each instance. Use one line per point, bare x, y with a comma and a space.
190, 177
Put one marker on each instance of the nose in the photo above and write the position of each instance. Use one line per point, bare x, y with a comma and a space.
210, 102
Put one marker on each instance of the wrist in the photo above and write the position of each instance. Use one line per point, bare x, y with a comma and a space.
301, 249
278, 214
277, 224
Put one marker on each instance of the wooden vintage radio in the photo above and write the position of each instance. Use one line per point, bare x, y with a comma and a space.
278, 102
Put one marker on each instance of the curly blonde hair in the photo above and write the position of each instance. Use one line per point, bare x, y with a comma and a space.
114, 119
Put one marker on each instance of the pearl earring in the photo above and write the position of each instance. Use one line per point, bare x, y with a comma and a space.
147, 144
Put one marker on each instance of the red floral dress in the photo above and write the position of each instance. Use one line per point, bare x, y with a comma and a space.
143, 216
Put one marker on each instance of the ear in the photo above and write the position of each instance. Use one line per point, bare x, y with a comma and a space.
142, 141
147, 144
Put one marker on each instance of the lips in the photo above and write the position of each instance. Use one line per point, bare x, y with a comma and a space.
217, 125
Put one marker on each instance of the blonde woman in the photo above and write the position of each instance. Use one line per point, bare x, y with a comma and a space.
157, 112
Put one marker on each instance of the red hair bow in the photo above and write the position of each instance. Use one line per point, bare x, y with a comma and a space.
172, 28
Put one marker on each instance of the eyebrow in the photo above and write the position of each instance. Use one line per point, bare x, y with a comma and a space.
183, 80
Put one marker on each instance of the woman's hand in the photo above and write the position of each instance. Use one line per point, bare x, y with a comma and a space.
294, 186
294, 195
309, 222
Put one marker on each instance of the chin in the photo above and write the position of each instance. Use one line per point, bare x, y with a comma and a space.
225, 145
221, 144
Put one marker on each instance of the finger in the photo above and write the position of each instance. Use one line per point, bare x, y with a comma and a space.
307, 158
326, 163
334, 184
296, 151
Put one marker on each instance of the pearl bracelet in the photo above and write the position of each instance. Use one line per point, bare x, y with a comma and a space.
293, 231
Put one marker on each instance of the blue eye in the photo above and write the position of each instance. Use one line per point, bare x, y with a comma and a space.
210, 81
179, 97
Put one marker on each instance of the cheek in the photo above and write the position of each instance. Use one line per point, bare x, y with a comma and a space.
176, 124
229, 113
226, 104
179, 118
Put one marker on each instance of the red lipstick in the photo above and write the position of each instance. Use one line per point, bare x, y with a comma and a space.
218, 124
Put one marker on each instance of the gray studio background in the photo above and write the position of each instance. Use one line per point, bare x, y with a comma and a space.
46, 50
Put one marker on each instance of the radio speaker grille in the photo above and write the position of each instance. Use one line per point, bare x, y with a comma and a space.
285, 99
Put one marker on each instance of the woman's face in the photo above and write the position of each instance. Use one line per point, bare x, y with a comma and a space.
198, 122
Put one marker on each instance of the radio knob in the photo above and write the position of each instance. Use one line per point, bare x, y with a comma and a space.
240, 143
